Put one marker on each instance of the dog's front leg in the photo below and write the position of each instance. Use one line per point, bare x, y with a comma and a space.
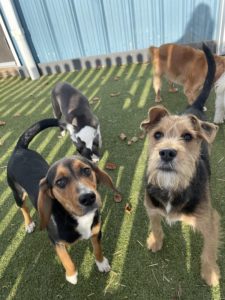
157, 87
101, 261
155, 238
209, 228
71, 273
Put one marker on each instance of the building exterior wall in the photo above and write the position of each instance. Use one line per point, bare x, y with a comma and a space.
59, 30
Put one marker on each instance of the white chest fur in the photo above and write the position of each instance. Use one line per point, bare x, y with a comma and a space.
84, 225
86, 134
168, 207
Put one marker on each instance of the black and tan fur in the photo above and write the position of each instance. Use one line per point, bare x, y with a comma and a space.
178, 174
65, 195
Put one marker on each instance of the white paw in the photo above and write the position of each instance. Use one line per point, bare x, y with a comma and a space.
204, 108
95, 158
63, 133
103, 266
30, 228
72, 279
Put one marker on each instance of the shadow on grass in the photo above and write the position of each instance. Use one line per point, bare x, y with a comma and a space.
30, 268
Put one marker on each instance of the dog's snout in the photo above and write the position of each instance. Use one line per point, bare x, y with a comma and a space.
87, 199
167, 155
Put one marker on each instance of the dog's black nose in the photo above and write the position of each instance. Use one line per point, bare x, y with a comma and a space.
87, 199
167, 154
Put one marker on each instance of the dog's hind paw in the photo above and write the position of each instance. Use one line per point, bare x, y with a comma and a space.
103, 266
30, 227
72, 279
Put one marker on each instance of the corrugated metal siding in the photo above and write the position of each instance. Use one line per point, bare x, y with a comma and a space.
65, 29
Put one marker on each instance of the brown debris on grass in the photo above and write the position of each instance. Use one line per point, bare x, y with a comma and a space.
117, 197
141, 136
2, 123
110, 166
134, 139
128, 208
122, 136
96, 98
115, 94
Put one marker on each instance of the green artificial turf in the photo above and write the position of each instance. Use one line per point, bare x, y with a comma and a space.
29, 268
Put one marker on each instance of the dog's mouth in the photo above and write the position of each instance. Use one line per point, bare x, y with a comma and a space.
88, 209
166, 167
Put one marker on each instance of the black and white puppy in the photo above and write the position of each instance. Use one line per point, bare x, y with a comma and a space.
83, 126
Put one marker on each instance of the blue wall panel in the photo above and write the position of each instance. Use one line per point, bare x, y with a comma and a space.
65, 29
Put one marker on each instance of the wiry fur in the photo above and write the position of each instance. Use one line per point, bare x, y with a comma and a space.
178, 175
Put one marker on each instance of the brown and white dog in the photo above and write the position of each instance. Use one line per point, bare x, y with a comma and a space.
187, 66
178, 174
65, 195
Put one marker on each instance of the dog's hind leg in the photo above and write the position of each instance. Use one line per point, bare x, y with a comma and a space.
157, 86
57, 114
71, 273
191, 92
157, 73
19, 196
29, 224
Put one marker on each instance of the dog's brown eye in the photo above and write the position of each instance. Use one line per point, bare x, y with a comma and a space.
86, 172
187, 137
158, 135
61, 183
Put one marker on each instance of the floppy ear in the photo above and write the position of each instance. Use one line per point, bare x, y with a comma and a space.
205, 130
155, 114
44, 203
104, 178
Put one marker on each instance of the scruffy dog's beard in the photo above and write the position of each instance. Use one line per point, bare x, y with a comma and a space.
174, 177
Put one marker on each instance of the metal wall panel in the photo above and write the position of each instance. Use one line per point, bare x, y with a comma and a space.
65, 29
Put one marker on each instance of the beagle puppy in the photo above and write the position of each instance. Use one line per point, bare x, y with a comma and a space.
65, 195
83, 126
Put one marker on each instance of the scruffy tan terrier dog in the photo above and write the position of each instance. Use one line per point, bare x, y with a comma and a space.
178, 174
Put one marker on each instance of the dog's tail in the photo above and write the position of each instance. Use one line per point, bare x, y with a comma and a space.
31, 132
201, 99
